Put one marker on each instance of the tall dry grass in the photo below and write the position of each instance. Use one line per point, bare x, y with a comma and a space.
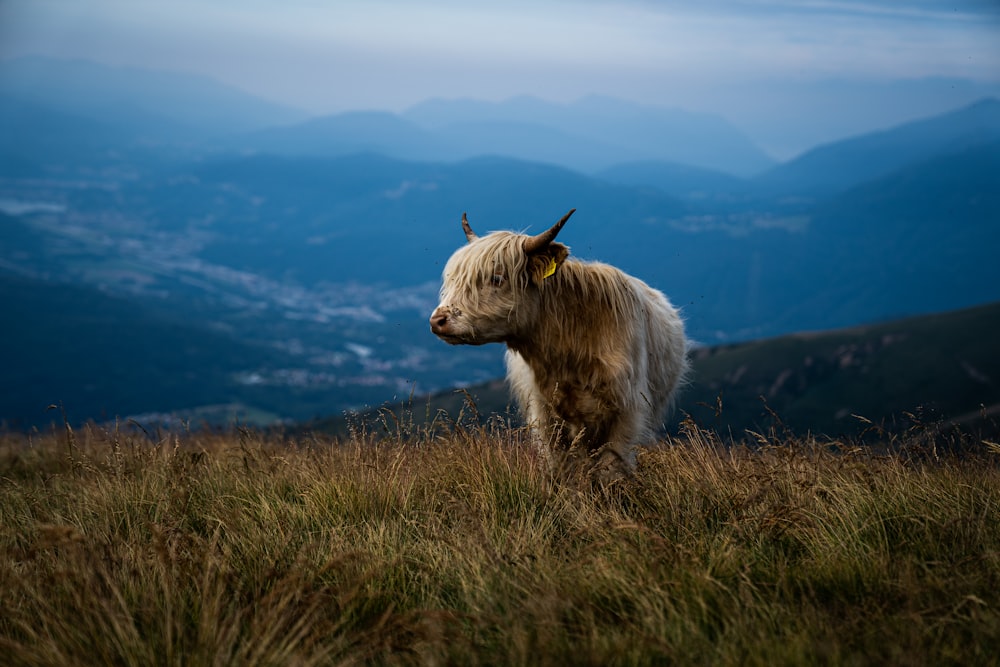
452, 546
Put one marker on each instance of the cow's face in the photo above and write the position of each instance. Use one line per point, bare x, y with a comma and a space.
491, 289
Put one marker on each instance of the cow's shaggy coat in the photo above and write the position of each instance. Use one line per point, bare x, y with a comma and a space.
594, 356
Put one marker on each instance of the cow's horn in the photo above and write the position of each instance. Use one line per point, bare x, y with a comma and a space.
469, 234
541, 241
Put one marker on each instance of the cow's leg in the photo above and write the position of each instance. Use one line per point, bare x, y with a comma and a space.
614, 455
563, 447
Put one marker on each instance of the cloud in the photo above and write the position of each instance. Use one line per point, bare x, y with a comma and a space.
390, 53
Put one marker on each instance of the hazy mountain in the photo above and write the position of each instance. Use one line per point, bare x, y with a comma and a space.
926, 196
627, 131
592, 134
379, 220
790, 116
678, 180
144, 102
589, 135
393, 136
531, 142
838, 166
741, 268
343, 134
917, 240
927, 232
46, 136
437, 112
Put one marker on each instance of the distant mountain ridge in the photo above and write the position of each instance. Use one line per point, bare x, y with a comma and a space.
591, 134
133, 107
833, 169
136, 108
827, 169
139, 98
625, 130
345, 134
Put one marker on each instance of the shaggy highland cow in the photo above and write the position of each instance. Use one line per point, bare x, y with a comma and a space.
594, 356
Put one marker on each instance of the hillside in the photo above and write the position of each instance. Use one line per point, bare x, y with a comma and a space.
313, 209
937, 368
943, 367
102, 357
455, 547
927, 232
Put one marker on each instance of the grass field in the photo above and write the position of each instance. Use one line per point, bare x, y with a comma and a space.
451, 546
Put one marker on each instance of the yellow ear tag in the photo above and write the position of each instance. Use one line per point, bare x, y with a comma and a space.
550, 269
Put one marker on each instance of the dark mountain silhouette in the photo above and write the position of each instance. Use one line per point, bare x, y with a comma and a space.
926, 234
101, 357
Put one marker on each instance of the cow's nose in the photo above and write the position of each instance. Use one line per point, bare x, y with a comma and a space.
439, 321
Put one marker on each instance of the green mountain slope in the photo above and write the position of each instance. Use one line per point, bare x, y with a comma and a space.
943, 367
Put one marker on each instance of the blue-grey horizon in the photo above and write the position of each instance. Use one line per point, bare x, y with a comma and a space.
723, 56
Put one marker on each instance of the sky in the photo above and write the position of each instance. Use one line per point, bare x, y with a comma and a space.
733, 57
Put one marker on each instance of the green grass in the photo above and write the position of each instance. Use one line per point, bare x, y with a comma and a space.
452, 546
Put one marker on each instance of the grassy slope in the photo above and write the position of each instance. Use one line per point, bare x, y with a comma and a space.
941, 366
935, 367
450, 547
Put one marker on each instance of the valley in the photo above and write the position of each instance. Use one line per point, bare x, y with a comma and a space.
318, 264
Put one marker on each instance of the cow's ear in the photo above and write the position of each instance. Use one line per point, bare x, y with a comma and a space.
545, 263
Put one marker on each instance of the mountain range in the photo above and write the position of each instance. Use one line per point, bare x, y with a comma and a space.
314, 246
590, 134
135, 107
835, 167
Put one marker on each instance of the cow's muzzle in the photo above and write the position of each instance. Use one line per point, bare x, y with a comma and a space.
442, 320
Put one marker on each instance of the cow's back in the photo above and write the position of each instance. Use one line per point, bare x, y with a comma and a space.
666, 351
612, 366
